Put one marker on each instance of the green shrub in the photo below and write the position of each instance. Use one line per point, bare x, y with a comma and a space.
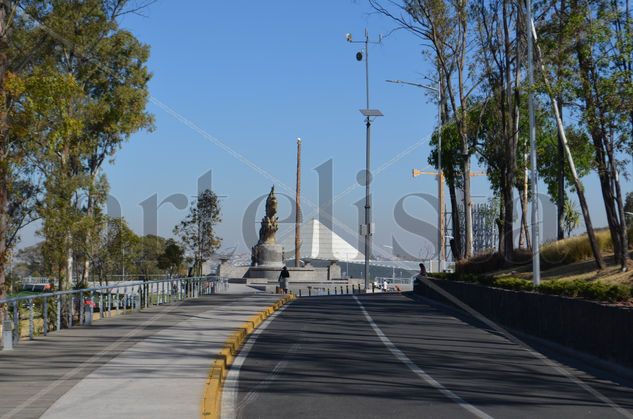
512, 283
597, 291
440, 275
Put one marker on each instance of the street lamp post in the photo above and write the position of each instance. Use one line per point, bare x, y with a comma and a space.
367, 228
536, 263
440, 173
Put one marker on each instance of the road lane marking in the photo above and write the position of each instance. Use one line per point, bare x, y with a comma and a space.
253, 394
509, 336
228, 409
417, 370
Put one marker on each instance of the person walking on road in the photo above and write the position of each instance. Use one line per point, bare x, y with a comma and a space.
283, 280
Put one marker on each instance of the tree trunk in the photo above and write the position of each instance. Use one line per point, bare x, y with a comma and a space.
561, 188
622, 230
591, 235
468, 211
69, 267
85, 277
4, 147
524, 235
596, 124
457, 244
522, 231
499, 222
508, 220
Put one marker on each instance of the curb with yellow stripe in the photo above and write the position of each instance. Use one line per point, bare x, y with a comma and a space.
212, 396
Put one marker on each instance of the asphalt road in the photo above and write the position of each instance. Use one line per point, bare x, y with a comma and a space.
322, 358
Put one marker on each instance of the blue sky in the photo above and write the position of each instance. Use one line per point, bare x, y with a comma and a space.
256, 75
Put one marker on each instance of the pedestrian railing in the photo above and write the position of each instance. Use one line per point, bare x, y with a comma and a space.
343, 289
42, 313
348, 289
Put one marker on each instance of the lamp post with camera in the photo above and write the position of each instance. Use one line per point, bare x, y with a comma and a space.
367, 229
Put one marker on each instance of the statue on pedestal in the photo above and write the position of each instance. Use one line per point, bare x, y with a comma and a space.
270, 222
267, 252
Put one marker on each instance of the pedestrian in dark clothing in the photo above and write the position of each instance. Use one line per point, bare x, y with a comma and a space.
419, 277
422, 269
283, 279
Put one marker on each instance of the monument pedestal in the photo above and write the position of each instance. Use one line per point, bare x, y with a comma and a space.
269, 259
270, 255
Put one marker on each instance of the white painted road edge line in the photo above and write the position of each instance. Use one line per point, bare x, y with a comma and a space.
417, 370
553, 364
229, 393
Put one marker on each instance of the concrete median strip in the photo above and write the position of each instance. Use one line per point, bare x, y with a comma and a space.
212, 396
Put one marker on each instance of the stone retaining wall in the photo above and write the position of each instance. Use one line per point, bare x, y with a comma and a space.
602, 330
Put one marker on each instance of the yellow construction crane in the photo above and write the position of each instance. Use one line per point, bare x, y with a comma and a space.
418, 172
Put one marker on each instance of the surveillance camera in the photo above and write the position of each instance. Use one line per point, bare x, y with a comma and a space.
348, 37
359, 56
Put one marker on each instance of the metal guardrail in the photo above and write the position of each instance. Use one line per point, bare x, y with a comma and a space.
341, 289
38, 280
54, 311
390, 280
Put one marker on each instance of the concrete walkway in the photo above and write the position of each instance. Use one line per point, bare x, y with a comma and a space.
150, 364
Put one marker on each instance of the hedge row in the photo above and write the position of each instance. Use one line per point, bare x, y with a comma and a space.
596, 291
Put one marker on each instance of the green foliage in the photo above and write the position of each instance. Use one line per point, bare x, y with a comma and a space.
146, 255
571, 217
29, 261
197, 230
75, 93
172, 257
597, 291
114, 253
549, 160
511, 283
451, 153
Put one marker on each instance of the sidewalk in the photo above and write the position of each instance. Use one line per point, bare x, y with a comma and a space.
148, 364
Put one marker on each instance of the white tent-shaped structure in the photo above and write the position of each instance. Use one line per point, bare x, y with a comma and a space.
319, 242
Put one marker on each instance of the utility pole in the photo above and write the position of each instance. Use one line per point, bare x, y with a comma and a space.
298, 206
536, 263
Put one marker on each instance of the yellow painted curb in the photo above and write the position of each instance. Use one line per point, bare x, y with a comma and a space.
212, 395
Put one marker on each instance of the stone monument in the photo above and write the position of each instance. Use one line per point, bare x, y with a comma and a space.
267, 254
